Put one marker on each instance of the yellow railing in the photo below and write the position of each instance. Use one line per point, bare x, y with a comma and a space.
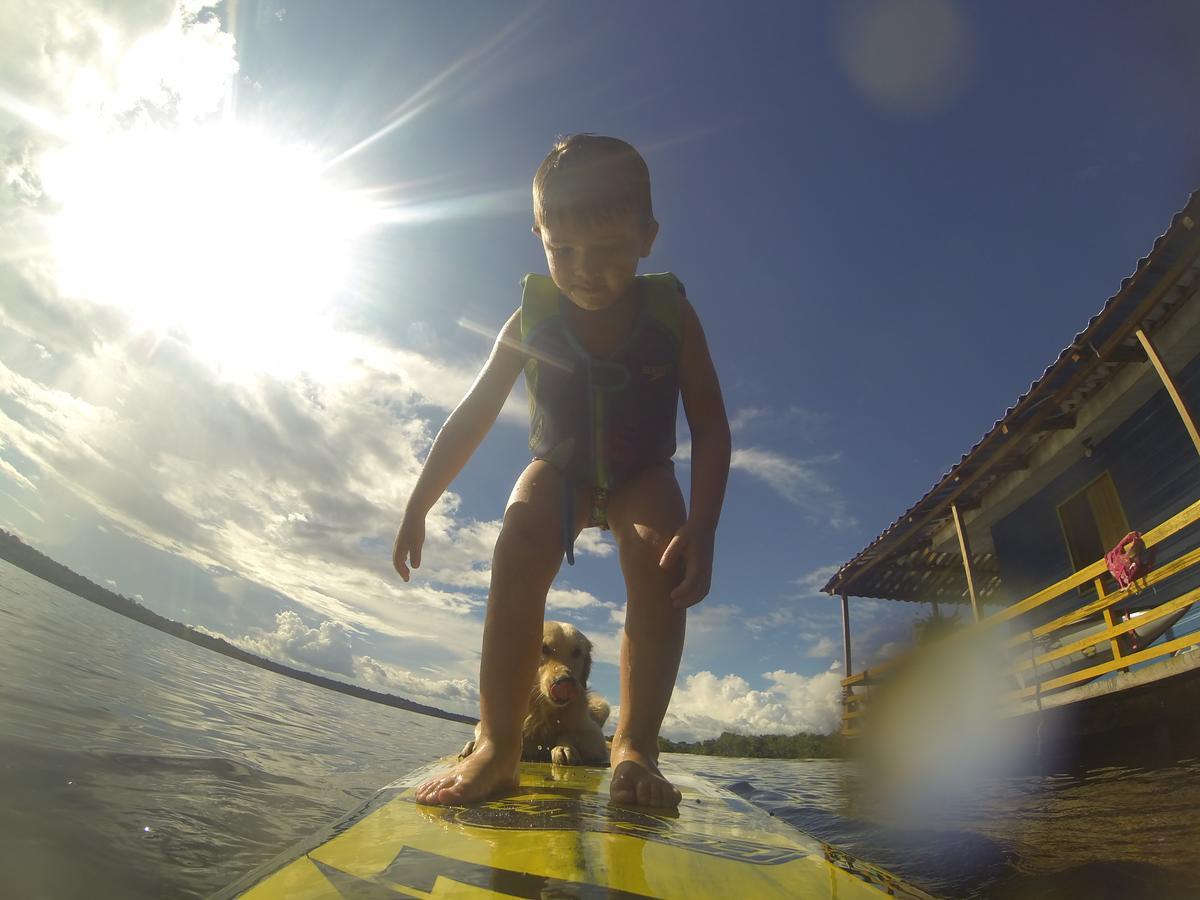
854, 703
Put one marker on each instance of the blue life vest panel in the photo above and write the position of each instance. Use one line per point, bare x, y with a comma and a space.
600, 420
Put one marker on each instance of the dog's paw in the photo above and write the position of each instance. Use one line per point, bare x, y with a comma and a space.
467, 750
563, 755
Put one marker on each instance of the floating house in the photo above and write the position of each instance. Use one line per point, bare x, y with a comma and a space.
1015, 535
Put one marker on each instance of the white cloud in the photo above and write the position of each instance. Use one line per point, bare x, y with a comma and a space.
797, 481
812, 582
743, 417
773, 620
594, 542
285, 483
326, 647
454, 694
823, 647
606, 646
805, 423
711, 618
10, 472
707, 705
573, 598
798, 608
159, 56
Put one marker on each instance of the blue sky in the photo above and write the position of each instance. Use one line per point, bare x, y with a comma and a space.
252, 257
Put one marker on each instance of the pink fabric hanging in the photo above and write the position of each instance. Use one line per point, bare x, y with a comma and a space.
1130, 559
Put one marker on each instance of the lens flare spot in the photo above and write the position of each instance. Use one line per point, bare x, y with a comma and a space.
908, 57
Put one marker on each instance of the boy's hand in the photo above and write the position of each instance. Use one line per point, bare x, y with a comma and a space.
694, 545
407, 548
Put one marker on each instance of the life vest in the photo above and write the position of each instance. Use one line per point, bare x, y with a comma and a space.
601, 420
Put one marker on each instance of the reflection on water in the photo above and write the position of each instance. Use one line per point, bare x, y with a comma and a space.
133, 764
1108, 833
139, 763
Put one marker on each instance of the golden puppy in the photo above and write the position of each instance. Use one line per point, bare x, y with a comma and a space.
564, 719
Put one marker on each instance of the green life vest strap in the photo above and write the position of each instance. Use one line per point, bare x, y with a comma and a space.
540, 301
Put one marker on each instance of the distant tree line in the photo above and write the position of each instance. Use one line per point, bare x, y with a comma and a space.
763, 746
20, 554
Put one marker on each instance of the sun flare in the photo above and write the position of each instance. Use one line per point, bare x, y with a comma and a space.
232, 241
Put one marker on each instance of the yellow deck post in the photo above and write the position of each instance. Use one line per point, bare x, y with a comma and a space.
1189, 421
846, 634
1108, 620
964, 547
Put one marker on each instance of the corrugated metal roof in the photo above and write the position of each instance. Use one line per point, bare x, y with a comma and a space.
898, 564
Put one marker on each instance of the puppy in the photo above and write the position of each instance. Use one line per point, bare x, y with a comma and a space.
564, 719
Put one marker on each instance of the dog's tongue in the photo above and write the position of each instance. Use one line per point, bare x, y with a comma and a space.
562, 691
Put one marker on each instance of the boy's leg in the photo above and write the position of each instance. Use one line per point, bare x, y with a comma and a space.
644, 515
527, 556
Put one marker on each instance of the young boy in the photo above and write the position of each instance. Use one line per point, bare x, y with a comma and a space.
606, 354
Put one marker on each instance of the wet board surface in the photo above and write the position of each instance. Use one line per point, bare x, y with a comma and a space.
559, 836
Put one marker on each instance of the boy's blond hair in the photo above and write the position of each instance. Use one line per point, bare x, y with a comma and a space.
591, 178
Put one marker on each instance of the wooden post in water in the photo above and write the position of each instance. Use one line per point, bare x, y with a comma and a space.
1189, 421
964, 547
848, 701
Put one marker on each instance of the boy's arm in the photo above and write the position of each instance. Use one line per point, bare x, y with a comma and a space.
458, 439
711, 447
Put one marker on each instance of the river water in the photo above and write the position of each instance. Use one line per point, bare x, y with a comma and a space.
133, 764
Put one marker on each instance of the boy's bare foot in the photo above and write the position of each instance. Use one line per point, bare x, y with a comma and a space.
636, 780
483, 774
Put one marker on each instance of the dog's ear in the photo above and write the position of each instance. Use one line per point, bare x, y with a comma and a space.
586, 645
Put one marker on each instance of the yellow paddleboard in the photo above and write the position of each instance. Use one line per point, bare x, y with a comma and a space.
559, 836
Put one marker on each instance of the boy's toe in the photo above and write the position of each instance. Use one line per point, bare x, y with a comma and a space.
423, 792
634, 783
436, 791
659, 792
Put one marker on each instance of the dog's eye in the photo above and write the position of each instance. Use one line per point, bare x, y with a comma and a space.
545, 649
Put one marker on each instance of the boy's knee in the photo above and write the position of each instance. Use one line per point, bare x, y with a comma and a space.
528, 537
643, 544
653, 538
646, 512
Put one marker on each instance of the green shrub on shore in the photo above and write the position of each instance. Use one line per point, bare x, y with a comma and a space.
763, 746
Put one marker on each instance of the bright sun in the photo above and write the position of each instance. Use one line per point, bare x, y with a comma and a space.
236, 243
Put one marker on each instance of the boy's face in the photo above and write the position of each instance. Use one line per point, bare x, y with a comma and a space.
594, 263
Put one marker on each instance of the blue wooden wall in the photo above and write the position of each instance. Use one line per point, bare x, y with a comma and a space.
1156, 471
